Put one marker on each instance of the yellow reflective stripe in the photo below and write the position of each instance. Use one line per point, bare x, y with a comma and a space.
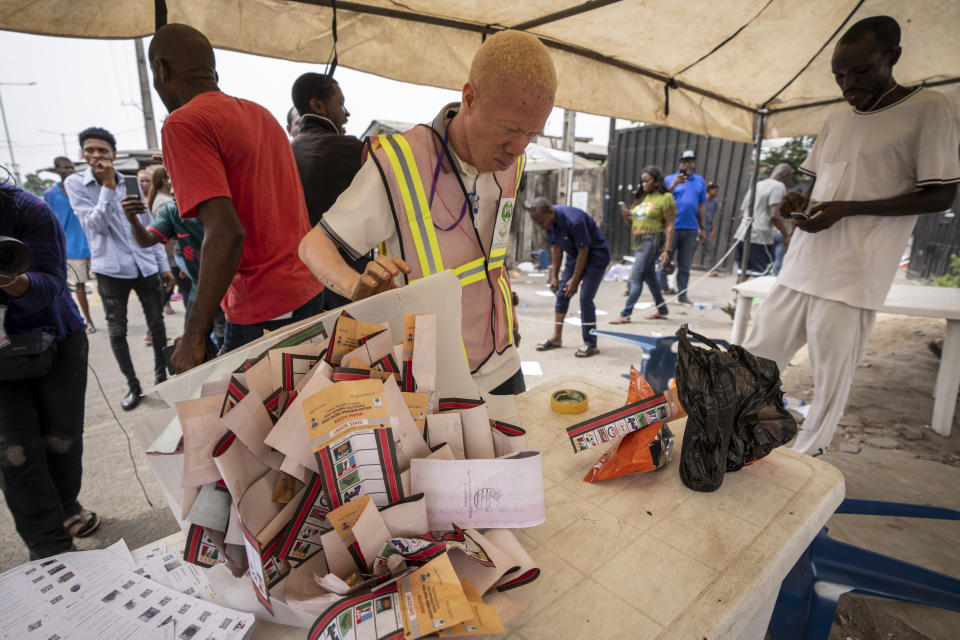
521, 165
433, 246
414, 202
497, 258
508, 306
473, 277
470, 272
467, 266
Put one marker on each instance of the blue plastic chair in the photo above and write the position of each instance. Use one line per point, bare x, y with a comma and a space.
808, 597
541, 258
659, 359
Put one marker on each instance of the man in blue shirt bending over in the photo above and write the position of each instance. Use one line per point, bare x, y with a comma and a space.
573, 232
78, 252
690, 193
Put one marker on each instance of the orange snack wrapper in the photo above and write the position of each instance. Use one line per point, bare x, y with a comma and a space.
646, 449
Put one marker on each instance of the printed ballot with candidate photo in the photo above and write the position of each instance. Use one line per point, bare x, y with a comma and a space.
358, 480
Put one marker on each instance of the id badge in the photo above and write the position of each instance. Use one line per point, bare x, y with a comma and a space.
501, 230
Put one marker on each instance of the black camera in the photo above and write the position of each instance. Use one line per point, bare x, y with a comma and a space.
14, 257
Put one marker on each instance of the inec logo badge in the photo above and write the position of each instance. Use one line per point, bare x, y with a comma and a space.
506, 212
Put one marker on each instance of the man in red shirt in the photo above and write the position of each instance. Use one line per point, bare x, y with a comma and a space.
231, 165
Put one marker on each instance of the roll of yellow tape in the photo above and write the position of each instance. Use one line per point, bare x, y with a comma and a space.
569, 401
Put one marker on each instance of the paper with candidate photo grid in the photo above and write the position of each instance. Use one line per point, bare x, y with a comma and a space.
97, 594
301, 540
622, 420
361, 463
425, 601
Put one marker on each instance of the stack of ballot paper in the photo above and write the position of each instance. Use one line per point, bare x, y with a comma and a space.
333, 471
110, 594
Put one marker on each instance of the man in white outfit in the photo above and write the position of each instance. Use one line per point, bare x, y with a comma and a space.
877, 166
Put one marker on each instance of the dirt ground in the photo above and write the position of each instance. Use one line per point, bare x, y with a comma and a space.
884, 446
883, 411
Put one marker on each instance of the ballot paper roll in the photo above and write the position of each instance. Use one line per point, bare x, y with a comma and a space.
503, 492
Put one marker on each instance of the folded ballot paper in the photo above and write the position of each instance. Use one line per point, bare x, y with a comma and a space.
349, 470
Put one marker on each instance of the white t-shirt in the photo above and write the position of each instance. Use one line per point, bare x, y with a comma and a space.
361, 219
770, 192
864, 156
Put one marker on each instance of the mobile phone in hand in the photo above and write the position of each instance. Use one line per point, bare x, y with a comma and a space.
132, 186
799, 215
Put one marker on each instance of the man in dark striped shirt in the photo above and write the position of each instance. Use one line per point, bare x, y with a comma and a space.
41, 417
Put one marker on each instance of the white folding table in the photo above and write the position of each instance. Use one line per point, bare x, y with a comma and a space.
905, 300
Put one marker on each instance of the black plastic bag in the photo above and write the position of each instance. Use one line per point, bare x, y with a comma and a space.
734, 406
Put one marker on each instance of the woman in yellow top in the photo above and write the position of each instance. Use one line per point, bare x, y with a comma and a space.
651, 220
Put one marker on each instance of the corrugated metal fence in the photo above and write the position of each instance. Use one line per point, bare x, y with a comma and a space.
935, 238
722, 161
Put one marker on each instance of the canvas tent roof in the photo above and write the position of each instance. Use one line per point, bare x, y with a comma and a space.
724, 58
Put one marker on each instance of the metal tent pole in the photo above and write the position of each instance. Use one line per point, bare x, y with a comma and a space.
758, 121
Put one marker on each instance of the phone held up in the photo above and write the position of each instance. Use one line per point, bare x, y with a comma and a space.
132, 186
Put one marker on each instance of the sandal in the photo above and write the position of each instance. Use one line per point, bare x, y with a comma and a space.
621, 320
91, 329
656, 315
82, 524
586, 352
546, 345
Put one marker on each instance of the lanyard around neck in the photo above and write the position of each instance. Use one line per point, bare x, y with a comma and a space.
471, 197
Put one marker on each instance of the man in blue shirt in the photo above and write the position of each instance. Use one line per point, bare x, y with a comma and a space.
690, 193
78, 252
120, 263
573, 232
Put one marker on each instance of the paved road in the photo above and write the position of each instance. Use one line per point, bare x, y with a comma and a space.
109, 485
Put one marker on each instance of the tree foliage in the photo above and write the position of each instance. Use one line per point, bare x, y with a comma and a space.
37, 185
952, 277
794, 151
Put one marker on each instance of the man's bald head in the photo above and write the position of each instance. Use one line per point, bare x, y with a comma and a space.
183, 64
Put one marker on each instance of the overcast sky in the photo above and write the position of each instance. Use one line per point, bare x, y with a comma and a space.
82, 83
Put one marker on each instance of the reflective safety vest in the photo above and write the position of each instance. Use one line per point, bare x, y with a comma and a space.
408, 163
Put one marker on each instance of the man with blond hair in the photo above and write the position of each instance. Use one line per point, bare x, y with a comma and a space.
441, 197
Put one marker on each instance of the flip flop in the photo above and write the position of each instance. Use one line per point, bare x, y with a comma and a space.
586, 352
935, 349
621, 320
91, 329
546, 345
657, 316
82, 524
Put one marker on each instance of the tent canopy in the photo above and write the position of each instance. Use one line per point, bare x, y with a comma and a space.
714, 62
544, 159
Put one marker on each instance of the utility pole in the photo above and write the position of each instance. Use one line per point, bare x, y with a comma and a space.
63, 138
149, 125
6, 129
569, 125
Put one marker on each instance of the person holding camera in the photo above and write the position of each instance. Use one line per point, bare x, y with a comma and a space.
651, 220
690, 195
120, 264
43, 379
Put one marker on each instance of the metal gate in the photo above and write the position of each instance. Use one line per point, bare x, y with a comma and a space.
722, 161
935, 238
